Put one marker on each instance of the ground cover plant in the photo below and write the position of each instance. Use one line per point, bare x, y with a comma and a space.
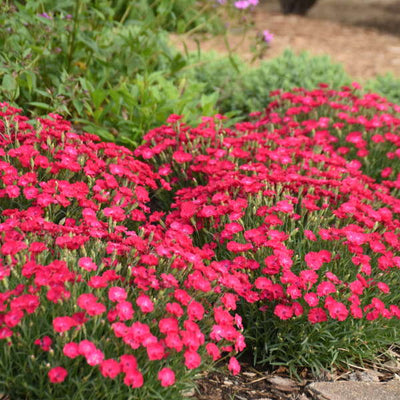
132, 272
93, 285
302, 206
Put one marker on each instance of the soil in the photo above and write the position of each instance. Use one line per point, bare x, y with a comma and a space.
276, 384
363, 35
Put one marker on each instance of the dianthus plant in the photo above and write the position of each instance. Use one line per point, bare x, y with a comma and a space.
304, 223
97, 294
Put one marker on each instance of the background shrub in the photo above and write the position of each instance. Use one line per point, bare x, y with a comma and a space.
174, 16
243, 89
386, 85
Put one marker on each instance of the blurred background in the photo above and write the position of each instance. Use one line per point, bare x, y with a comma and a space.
364, 35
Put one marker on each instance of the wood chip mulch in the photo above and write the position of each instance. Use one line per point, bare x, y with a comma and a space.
256, 384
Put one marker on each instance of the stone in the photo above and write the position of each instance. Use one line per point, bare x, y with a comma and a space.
349, 390
186, 393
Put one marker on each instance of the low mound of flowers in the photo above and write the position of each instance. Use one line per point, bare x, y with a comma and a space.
97, 294
131, 272
290, 202
363, 128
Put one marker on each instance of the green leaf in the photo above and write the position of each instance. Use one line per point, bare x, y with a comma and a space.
44, 93
9, 83
98, 97
30, 80
39, 104
78, 105
103, 133
89, 43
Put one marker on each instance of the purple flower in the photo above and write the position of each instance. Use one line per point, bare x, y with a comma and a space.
268, 36
243, 4
45, 15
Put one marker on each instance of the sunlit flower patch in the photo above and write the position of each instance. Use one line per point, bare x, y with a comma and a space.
138, 270
92, 282
302, 207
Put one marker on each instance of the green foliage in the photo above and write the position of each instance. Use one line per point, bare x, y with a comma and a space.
242, 89
112, 73
176, 15
298, 344
387, 86
222, 76
134, 107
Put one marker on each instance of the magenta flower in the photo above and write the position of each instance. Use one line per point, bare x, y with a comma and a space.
45, 15
167, 377
243, 4
57, 374
192, 359
110, 368
133, 378
268, 36
145, 303
71, 350
117, 294
234, 366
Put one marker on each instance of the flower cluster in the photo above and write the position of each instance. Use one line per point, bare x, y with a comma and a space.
244, 4
240, 4
364, 129
267, 36
86, 261
280, 214
288, 200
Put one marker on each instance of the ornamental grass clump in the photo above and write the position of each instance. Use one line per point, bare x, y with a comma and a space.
98, 295
303, 218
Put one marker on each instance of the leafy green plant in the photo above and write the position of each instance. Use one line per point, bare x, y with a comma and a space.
221, 75
176, 15
112, 74
132, 108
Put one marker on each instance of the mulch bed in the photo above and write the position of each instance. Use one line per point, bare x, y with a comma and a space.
258, 384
